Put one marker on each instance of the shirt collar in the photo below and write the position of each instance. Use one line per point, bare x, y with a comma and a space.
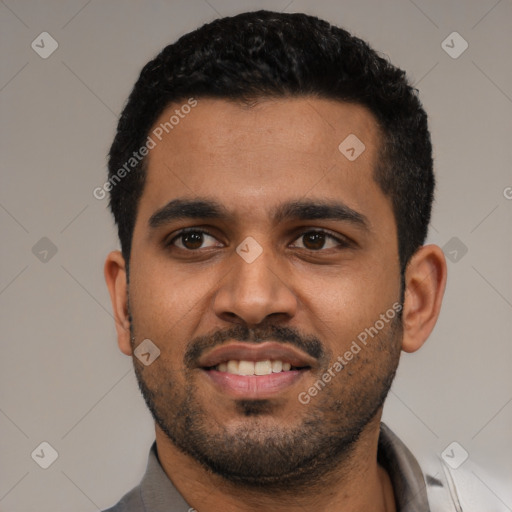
157, 492
404, 471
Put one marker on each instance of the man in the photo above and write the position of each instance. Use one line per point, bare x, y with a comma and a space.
271, 180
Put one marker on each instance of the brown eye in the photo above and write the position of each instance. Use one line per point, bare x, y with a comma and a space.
193, 240
317, 240
313, 241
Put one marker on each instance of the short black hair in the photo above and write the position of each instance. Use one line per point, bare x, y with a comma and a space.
264, 54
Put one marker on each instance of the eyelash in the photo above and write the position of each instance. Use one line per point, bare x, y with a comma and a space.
343, 242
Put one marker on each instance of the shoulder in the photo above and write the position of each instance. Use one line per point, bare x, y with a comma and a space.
461, 488
130, 502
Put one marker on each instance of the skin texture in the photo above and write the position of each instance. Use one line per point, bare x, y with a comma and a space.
231, 454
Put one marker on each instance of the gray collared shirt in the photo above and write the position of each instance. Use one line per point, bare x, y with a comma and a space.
414, 491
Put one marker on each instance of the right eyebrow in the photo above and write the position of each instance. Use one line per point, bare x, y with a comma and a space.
320, 210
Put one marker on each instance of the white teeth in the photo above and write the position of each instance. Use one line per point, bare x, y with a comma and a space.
232, 367
263, 368
277, 366
243, 367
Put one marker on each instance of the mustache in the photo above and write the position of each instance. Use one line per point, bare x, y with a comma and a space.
307, 343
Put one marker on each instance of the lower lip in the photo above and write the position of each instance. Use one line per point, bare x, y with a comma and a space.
254, 386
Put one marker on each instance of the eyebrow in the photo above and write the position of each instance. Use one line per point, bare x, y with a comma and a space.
179, 209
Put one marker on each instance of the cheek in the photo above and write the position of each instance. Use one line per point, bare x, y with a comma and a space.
347, 301
167, 301
159, 302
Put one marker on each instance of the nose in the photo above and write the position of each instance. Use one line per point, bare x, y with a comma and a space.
254, 291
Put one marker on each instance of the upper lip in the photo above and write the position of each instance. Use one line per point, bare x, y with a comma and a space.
268, 350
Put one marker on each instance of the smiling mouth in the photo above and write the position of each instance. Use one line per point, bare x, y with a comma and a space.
254, 371
255, 368
256, 380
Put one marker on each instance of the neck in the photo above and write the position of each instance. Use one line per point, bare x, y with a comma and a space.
357, 484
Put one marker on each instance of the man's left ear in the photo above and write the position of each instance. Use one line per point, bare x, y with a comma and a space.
425, 281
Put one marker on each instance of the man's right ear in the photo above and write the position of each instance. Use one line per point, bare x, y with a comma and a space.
115, 277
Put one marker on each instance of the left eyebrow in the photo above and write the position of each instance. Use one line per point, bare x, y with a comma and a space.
187, 209
179, 209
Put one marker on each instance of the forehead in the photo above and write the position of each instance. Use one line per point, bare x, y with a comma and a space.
291, 129
252, 158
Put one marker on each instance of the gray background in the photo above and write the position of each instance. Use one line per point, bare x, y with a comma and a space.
62, 377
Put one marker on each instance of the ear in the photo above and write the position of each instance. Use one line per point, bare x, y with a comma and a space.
115, 277
425, 281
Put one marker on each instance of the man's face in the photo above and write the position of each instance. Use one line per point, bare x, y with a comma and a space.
292, 257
